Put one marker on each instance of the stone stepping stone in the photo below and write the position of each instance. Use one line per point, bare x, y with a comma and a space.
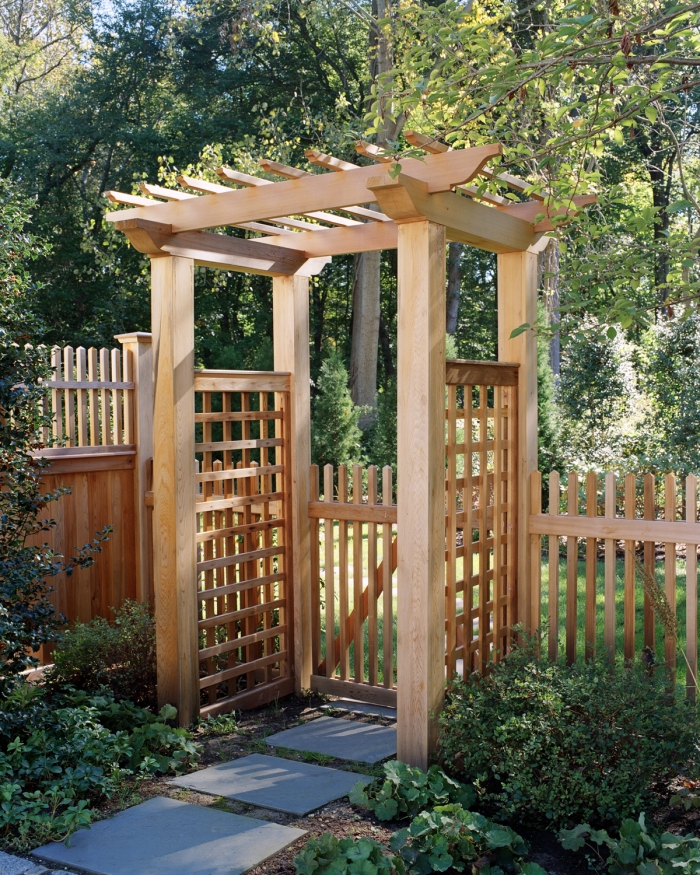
166, 837
341, 739
271, 782
353, 707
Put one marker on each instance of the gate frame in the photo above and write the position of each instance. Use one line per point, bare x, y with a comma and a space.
421, 211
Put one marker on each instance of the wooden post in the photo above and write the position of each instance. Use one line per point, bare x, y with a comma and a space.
138, 358
421, 488
517, 305
290, 296
174, 565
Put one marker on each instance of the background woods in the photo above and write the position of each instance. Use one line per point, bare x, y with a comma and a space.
596, 96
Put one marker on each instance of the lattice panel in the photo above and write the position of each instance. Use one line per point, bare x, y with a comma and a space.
242, 579
480, 515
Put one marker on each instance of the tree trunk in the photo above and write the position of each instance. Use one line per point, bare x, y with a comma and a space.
365, 332
454, 279
367, 265
549, 273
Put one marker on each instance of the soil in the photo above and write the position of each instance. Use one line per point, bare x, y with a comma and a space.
246, 734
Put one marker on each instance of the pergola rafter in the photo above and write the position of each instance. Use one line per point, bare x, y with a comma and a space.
432, 189
302, 221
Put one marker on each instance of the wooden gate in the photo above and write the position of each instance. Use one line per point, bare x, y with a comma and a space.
481, 505
244, 583
354, 546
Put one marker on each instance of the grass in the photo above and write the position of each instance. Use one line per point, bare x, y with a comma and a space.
681, 608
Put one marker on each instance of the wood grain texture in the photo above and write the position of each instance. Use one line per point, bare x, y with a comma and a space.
571, 572
421, 487
517, 304
618, 529
462, 372
290, 297
174, 559
137, 348
670, 568
630, 570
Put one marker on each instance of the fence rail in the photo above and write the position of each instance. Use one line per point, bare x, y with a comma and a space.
655, 521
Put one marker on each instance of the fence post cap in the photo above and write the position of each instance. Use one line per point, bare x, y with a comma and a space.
134, 337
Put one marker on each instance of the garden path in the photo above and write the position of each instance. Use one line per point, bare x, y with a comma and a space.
165, 836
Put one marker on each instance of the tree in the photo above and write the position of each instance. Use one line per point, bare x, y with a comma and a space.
335, 433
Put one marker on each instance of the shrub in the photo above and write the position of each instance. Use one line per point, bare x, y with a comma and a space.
328, 855
27, 617
78, 750
405, 791
548, 744
635, 850
120, 657
451, 838
335, 433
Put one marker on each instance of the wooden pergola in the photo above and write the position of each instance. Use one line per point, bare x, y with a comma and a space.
301, 222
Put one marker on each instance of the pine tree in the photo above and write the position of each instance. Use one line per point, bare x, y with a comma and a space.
335, 433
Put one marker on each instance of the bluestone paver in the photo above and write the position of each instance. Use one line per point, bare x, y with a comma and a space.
166, 837
11, 865
271, 782
343, 739
353, 707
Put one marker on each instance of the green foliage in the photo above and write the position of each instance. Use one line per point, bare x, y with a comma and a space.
549, 743
120, 657
451, 838
382, 443
548, 417
328, 855
635, 850
76, 750
27, 617
404, 791
335, 433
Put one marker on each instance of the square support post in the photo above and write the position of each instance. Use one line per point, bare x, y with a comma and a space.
421, 488
290, 307
137, 352
174, 556
517, 304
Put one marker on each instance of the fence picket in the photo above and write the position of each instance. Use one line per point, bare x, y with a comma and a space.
571, 573
610, 570
372, 580
630, 571
93, 399
536, 554
117, 397
57, 396
649, 562
670, 570
69, 397
344, 667
328, 532
357, 575
591, 559
451, 531
387, 591
104, 399
315, 575
81, 376
553, 589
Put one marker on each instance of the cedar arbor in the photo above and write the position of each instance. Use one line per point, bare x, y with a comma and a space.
303, 221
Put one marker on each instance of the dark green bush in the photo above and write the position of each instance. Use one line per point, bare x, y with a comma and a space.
547, 744
404, 791
120, 657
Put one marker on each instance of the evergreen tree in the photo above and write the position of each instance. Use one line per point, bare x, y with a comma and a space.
335, 433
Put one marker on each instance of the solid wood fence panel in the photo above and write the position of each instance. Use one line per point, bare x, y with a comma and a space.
95, 460
645, 535
243, 589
